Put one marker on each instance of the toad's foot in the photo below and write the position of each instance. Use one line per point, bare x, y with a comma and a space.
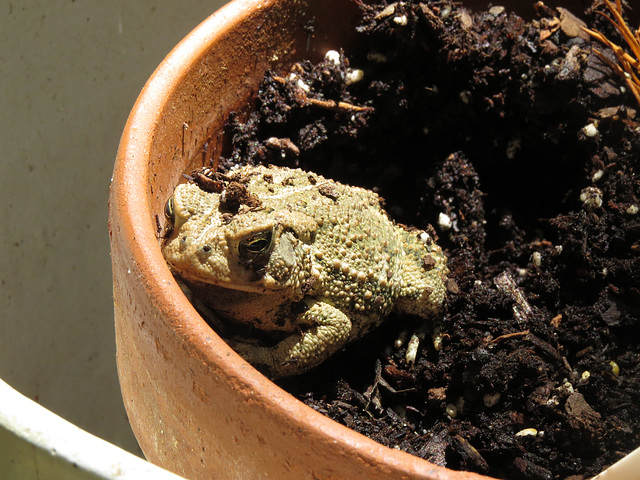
326, 330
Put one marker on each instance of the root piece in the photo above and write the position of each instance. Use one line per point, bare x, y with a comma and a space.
627, 66
326, 104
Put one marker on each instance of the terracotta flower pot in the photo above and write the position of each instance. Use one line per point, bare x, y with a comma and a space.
196, 407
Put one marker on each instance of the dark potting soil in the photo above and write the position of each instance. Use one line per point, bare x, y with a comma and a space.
518, 144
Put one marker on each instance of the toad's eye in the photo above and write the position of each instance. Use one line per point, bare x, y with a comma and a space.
169, 211
256, 244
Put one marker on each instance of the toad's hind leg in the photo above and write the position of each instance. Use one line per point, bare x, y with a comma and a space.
327, 329
423, 275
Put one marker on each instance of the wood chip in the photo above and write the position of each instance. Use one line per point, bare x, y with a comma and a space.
549, 29
465, 20
571, 25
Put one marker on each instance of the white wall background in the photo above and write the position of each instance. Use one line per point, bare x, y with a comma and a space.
70, 71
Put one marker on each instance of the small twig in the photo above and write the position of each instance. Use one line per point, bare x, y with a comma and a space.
325, 104
337, 106
508, 336
373, 392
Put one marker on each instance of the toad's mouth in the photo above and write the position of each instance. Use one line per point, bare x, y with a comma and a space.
254, 283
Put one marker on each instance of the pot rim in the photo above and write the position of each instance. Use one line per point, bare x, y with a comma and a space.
130, 195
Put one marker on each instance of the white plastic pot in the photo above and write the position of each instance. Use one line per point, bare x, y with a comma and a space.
36, 444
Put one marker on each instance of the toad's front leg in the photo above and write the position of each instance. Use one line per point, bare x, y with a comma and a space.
326, 330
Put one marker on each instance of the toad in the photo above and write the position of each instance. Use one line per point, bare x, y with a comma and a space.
305, 260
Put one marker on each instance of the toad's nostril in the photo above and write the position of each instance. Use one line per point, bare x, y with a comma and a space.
203, 253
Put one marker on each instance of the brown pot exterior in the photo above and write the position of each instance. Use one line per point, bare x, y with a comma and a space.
195, 406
